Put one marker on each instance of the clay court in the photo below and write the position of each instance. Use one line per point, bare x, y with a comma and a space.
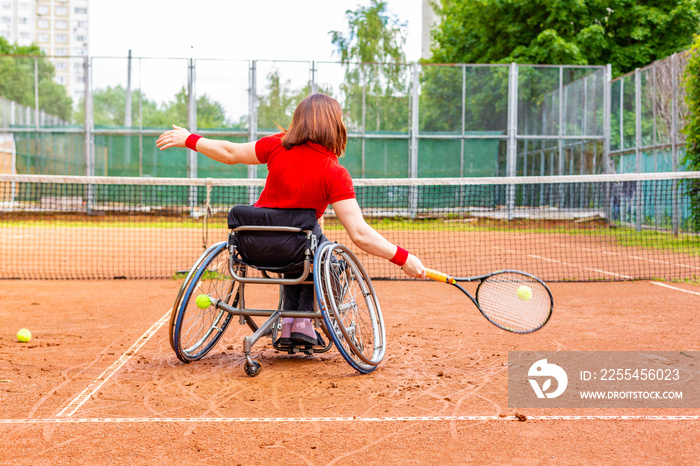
560, 171
99, 382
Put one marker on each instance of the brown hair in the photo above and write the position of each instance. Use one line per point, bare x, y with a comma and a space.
318, 118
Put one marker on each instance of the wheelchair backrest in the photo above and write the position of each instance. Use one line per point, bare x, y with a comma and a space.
272, 250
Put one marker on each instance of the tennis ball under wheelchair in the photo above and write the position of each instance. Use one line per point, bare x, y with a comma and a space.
203, 301
24, 335
524, 292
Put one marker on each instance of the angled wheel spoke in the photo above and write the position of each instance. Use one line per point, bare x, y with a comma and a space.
350, 307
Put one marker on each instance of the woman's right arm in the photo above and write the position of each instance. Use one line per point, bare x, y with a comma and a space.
226, 152
369, 240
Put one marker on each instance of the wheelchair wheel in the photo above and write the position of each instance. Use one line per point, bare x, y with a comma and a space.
349, 306
195, 331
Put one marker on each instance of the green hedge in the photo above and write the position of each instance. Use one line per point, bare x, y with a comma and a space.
692, 127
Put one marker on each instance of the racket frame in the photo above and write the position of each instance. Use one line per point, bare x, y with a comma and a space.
450, 280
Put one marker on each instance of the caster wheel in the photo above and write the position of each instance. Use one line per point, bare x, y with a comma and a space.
252, 369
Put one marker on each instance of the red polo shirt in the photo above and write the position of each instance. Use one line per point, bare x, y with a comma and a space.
307, 176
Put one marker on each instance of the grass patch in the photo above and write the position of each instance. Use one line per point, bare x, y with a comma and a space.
685, 244
207, 275
179, 275
695, 281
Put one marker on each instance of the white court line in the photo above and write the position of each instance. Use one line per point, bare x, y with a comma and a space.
96, 384
278, 420
605, 272
631, 257
674, 288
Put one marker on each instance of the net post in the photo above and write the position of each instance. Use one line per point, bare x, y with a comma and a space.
252, 123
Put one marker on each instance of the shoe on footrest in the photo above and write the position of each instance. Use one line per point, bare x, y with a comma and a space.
286, 332
303, 333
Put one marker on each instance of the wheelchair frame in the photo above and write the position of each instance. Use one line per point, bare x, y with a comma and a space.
342, 289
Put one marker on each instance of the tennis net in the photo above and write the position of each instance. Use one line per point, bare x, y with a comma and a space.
560, 228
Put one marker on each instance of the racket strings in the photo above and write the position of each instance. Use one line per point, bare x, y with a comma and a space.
514, 302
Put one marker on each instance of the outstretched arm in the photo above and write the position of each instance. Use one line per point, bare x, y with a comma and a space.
369, 240
226, 152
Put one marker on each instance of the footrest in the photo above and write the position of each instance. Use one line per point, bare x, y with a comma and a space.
294, 349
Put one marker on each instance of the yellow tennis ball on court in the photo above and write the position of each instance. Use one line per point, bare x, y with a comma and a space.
203, 301
24, 335
525, 292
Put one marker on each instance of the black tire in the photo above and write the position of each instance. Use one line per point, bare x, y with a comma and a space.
349, 306
252, 369
195, 331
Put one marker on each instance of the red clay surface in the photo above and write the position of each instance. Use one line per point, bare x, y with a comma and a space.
443, 359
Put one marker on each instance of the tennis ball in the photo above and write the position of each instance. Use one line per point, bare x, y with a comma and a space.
524, 292
203, 301
24, 335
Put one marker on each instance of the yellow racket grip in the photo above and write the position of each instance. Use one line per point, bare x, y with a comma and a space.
439, 276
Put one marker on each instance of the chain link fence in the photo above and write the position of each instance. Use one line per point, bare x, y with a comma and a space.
404, 121
648, 112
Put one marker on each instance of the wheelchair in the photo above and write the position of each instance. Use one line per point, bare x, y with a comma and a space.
278, 243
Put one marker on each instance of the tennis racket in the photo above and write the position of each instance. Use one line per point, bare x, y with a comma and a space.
512, 300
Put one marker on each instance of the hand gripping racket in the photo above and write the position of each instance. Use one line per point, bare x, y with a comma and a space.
512, 300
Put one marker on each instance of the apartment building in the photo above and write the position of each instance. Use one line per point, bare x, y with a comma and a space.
58, 27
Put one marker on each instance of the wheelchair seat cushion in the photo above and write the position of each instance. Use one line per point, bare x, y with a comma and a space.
272, 250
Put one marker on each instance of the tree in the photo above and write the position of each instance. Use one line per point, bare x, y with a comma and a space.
109, 106
372, 52
17, 69
275, 109
210, 114
691, 160
277, 104
625, 33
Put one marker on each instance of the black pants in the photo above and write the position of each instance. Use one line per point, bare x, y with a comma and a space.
301, 297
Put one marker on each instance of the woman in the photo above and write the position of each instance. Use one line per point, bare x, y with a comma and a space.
303, 173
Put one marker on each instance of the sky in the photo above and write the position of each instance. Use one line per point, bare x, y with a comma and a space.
233, 29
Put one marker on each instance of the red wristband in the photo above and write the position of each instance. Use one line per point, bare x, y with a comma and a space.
191, 141
400, 257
